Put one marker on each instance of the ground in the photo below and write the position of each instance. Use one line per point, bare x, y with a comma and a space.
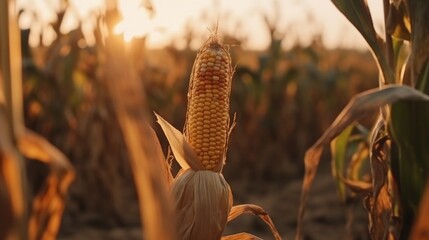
325, 215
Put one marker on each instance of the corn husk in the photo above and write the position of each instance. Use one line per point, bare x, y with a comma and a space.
203, 200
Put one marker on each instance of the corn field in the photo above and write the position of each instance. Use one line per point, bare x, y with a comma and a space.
116, 140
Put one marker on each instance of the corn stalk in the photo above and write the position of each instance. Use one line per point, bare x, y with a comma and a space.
150, 170
14, 211
408, 120
43, 219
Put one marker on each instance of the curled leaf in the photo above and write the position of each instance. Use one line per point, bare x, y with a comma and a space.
380, 202
44, 222
241, 236
256, 210
358, 186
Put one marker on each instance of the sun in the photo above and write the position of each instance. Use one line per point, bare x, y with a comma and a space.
136, 21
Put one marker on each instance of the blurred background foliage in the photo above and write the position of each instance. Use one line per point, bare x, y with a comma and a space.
284, 99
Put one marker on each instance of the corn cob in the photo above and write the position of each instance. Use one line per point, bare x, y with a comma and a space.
207, 120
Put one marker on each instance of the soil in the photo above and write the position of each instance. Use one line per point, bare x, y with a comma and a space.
326, 216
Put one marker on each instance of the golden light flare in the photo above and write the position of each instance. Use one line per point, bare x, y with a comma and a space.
135, 22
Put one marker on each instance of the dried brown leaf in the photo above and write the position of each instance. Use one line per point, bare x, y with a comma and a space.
358, 186
380, 213
182, 150
34, 146
45, 218
256, 210
159, 156
311, 161
241, 236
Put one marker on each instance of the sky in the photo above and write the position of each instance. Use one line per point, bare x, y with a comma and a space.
298, 20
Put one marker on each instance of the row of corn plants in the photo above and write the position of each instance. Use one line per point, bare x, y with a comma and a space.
198, 202
200, 195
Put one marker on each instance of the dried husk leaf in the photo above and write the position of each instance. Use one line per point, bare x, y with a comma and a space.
182, 150
203, 200
381, 211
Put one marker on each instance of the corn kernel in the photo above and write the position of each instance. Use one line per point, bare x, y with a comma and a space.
208, 103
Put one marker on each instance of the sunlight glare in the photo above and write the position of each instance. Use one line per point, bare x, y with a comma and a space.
135, 22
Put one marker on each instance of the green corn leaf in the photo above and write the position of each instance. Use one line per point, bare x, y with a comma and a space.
357, 12
339, 157
422, 223
411, 135
423, 82
400, 54
360, 154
